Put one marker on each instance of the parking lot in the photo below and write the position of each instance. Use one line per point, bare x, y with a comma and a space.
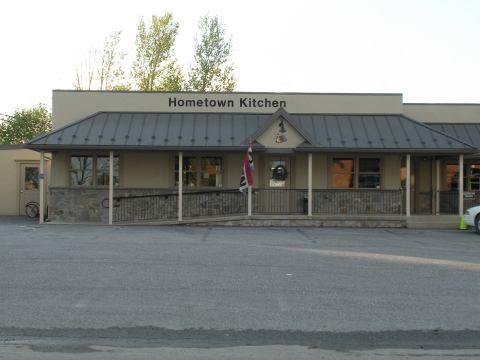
176, 286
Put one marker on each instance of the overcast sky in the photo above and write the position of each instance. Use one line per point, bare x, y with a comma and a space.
429, 50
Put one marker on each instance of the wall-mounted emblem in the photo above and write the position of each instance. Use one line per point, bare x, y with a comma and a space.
280, 134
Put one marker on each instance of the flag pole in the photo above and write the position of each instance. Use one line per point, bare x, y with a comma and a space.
249, 201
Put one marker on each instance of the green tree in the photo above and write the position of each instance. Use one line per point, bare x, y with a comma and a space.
155, 68
212, 70
110, 72
25, 124
103, 69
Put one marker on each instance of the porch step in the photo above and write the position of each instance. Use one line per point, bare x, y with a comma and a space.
367, 221
302, 220
433, 221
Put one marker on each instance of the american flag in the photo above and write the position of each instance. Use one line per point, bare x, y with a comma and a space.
246, 179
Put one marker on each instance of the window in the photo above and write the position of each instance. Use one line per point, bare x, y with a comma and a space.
81, 170
103, 171
93, 170
349, 173
471, 177
474, 177
198, 171
369, 173
31, 178
343, 173
211, 171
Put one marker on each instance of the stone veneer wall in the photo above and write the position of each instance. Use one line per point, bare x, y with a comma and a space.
70, 205
79, 205
358, 201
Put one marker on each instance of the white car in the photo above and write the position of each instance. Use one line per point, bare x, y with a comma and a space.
472, 218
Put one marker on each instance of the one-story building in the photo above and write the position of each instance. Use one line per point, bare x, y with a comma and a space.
116, 157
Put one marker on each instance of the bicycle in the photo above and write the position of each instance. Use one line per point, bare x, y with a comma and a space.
32, 209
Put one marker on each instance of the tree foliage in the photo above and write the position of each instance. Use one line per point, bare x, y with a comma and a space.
154, 68
25, 124
212, 70
103, 69
110, 72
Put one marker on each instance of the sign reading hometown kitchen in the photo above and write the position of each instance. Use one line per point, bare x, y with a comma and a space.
243, 102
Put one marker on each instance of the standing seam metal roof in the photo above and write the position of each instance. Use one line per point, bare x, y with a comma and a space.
232, 131
466, 132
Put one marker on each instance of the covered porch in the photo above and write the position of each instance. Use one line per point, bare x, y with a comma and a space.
125, 168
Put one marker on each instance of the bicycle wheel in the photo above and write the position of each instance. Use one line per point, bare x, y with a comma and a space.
32, 209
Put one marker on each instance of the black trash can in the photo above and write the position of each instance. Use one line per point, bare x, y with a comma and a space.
305, 205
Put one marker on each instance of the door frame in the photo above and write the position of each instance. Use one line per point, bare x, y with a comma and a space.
20, 165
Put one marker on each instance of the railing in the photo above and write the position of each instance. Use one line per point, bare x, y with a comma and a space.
132, 208
214, 203
279, 201
328, 201
449, 201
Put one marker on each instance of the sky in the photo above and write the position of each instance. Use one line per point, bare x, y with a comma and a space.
428, 50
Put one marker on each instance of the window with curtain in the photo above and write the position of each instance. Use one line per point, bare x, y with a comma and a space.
362, 173
343, 173
200, 171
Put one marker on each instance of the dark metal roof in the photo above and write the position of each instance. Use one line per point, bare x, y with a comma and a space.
375, 132
232, 131
466, 132
132, 130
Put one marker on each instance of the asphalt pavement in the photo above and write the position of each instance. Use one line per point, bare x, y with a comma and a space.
179, 292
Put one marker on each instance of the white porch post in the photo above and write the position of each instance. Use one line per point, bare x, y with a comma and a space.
110, 190
310, 184
437, 187
460, 184
42, 187
180, 185
407, 181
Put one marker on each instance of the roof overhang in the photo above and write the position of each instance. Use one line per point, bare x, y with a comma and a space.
231, 132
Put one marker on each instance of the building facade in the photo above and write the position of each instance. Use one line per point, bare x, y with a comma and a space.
122, 157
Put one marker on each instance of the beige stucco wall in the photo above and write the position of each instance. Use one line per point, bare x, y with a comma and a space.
155, 169
301, 171
69, 106
10, 160
59, 169
319, 171
423, 174
146, 169
459, 113
391, 171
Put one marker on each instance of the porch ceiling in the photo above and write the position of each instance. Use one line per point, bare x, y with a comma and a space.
233, 131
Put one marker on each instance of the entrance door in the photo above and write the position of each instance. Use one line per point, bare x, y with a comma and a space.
29, 185
278, 173
274, 199
422, 186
